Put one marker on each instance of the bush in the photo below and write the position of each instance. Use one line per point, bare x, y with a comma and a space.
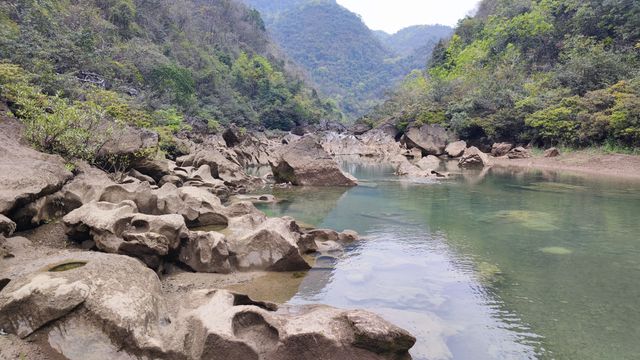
54, 124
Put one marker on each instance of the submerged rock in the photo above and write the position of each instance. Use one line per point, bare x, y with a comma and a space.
556, 250
534, 220
305, 162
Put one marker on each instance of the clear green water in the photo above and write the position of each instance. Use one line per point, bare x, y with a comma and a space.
498, 265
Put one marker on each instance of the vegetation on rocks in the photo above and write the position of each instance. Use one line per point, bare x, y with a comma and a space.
545, 71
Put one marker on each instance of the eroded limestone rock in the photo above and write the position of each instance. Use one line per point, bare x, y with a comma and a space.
120, 229
206, 252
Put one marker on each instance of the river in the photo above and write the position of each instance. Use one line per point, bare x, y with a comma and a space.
499, 264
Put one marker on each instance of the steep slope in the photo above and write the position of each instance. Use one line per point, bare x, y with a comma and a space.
207, 61
406, 41
549, 72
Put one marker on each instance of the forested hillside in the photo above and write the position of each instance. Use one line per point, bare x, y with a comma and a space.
347, 60
547, 71
153, 63
412, 38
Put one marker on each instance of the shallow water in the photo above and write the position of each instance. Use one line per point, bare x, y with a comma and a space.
491, 265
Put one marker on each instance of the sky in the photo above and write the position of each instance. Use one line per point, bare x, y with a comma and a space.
393, 15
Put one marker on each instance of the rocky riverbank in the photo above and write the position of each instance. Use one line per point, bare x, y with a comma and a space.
94, 276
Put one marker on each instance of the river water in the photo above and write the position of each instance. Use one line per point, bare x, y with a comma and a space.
498, 264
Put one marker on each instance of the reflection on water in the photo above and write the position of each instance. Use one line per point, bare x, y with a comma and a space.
491, 265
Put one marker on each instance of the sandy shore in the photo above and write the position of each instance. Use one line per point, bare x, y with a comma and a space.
582, 163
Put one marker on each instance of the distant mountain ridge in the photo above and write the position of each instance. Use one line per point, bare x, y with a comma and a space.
348, 61
407, 40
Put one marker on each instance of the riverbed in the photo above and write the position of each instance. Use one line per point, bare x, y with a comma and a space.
493, 264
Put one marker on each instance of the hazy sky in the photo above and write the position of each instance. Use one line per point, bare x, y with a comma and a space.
393, 15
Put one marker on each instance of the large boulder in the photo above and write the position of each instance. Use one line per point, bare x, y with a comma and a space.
198, 206
156, 167
501, 149
431, 139
474, 158
456, 149
206, 252
306, 163
26, 174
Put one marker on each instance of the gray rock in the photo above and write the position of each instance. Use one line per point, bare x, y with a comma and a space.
130, 143
501, 149
232, 136
26, 174
306, 163
7, 227
260, 243
551, 152
456, 149
291, 333
360, 128
474, 158
119, 229
206, 252
431, 139
519, 153
221, 167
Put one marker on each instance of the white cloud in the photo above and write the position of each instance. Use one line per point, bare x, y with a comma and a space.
393, 15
